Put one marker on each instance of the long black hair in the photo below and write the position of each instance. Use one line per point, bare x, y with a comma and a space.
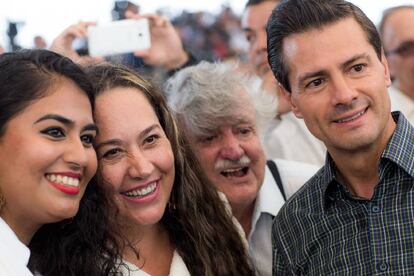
83, 245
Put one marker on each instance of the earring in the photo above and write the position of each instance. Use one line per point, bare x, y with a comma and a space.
2, 200
171, 205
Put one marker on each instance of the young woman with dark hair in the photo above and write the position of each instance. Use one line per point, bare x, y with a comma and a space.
46, 161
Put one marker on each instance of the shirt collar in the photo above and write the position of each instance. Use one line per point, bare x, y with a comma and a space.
400, 148
8, 239
269, 199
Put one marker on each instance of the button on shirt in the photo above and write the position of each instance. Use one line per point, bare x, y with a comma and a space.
324, 230
14, 255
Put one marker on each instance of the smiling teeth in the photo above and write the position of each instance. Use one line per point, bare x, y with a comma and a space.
65, 180
232, 170
239, 172
351, 118
142, 192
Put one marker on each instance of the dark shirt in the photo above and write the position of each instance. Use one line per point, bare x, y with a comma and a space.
324, 230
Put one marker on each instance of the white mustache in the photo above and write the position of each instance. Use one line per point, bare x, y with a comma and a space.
224, 164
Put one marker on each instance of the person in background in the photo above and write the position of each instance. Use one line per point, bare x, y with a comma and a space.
39, 42
172, 220
354, 216
287, 138
222, 112
63, 43
397, 33
47, 159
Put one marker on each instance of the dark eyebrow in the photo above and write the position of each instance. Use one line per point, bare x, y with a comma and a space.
344, 65
91, 127
114, 142
55, 117
117, 142
347, 63
148, 130
247, 29
66, 121
311, 75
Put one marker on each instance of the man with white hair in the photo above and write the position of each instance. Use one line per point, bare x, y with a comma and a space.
218, 109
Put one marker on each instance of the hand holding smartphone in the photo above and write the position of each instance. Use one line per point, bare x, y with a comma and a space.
119, 37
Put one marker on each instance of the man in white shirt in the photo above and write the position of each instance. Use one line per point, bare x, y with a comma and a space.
397, 31
220, 111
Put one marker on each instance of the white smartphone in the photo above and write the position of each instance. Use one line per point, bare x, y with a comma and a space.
119, 37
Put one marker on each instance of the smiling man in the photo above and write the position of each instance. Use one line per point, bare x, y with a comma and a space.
355, 215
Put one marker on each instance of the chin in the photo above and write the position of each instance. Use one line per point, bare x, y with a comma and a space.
62, 214
149, 218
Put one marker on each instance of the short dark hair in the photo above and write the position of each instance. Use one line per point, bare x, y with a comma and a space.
299, 16
26, 76
387, 13
257, 2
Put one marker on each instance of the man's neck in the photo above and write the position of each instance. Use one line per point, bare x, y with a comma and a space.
244, 217
358, 169
361, 175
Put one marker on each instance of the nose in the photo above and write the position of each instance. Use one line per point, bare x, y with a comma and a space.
260, 45
76, 155
231, 148
139, 165
342, 92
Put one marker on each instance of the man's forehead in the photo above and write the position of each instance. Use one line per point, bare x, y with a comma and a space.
399, 27
307, 40
321, 48
232, 122
255, 14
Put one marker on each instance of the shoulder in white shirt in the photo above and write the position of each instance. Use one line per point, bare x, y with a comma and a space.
268, 203
178, 268
401, 102
14, 255
290, 139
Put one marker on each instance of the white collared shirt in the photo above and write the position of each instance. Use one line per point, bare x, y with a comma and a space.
268, 203
290, 139
401, 102
14, 255
178, 268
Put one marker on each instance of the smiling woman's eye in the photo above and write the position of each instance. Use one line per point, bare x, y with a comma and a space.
87, 139
112, 153
54, 132
151, 139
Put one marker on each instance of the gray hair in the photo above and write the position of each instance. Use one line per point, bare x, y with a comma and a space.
208, 95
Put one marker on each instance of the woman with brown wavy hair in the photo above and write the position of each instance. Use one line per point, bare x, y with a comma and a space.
172, 219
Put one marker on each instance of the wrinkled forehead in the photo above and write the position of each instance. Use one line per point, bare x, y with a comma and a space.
233, 119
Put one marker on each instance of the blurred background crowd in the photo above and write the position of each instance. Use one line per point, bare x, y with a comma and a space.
209, 30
